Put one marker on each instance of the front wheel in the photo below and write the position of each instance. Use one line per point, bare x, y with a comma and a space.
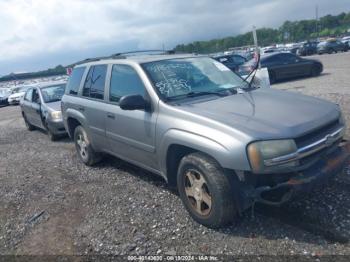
84, 149
50, 134
205, 191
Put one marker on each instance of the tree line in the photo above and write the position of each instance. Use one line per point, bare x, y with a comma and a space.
289, 31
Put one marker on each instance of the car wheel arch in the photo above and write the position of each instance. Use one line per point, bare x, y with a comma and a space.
72, 123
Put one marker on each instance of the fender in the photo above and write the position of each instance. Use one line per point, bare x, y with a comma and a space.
77, 115
195, 141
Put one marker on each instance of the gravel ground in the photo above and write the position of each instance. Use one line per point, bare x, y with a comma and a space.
50, 203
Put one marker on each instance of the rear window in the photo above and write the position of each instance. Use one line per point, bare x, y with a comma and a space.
74, 80
95, 82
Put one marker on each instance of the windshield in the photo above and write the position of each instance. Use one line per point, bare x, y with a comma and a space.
178, 78
53, 93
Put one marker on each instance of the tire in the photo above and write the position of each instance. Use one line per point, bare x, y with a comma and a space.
51, 135
29, 126
272, 77
84, 149
203, 176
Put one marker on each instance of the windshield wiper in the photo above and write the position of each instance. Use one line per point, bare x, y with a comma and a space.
203, 93
221, 93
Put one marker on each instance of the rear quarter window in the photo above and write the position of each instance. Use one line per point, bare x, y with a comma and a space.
74, 80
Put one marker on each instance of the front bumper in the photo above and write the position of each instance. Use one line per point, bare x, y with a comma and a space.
301, 182
14, 101
56, 127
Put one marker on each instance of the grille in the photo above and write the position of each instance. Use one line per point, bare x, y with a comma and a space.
317, 134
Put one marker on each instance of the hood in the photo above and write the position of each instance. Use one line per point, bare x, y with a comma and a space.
267, 113
17, 95
54, 106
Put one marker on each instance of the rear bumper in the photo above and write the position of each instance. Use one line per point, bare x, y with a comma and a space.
302, 182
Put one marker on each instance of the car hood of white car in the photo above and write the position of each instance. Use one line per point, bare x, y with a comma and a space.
16, 95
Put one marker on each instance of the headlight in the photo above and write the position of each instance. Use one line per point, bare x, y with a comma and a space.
56, 115
263, 153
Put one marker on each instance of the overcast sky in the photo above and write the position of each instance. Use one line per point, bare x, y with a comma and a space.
38, 34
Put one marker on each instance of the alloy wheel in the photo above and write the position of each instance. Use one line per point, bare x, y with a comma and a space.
197, 192
82, 146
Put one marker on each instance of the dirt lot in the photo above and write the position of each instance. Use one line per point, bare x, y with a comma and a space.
50, 203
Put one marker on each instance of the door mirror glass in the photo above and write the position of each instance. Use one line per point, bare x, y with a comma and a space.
132, 102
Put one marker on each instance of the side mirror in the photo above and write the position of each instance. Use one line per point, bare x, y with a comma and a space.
132, 102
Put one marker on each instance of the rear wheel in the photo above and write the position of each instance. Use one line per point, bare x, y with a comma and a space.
29, 126
84, 149
205, 191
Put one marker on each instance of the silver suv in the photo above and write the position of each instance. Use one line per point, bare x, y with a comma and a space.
224, 144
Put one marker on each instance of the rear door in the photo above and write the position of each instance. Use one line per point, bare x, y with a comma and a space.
298, 66
131, 133
93, 92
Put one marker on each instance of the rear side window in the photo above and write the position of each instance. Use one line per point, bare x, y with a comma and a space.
74, 80
95, 82
28, 95
125, 81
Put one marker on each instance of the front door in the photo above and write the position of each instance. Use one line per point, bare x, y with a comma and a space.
131, 134
36, 109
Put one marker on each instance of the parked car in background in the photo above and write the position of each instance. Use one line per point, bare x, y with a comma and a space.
41, 108
284, 65
231, 61
191, 120
307, 48
4, 95
17, 94
346, 40
331, 46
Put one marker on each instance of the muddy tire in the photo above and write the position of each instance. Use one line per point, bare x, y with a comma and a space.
29, 126
205, 191
84, 149
51, 135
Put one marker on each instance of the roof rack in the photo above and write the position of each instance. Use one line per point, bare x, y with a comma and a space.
165, 52
123, 55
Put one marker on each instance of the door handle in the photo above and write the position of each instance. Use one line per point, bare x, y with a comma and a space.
110, 115
81, 108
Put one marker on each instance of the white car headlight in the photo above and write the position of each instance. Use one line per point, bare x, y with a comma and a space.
56, 115
261, 153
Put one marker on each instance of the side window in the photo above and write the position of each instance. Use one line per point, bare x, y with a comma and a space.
74, 80
238, 59
289, 58
125, 81
95, 82
35, 96
28, 95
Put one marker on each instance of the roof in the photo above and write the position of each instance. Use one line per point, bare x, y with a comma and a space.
52, 83
140, 59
